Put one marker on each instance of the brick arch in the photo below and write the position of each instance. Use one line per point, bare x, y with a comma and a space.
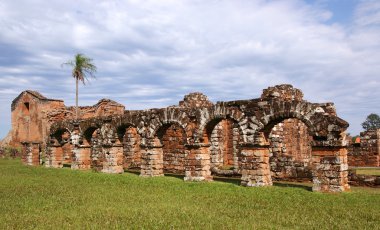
320, 126
57, 134
87, 134
62, 126
268, 122
59, 148
121, 128
167, 124
220, 114
157, 124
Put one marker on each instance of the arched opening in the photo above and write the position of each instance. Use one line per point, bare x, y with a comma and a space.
173, 139
290, 150
224, 137
131, 142
62, 154
92, 138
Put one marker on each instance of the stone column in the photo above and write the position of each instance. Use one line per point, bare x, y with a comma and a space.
255, 167
55, 156
81, 157
31, 153
197, 163
330, 169
113, 159
81, 153
152, 162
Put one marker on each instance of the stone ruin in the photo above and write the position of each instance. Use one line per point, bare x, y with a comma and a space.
365, 152
278, 136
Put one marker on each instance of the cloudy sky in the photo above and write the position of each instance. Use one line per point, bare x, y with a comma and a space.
151, 53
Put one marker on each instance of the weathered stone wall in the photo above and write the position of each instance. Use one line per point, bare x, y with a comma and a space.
29, 117
33, 114
173, 140
198, 138
290, 147
367, 152
363, 180
224, 140
132, 149
195, 100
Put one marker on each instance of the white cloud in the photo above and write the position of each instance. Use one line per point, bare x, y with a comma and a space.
149, 52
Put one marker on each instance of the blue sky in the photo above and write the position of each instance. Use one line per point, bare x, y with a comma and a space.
152, 53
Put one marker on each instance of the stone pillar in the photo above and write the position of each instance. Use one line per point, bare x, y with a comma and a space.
81, 153
81, 157
330, 169
31, 153
55, 156
255, 167
152, 160
197, 164
113, 162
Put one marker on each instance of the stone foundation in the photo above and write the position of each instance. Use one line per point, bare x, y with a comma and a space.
31, 153
330, 170
198, 163
255, 166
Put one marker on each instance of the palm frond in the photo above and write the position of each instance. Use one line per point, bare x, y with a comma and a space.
83, 68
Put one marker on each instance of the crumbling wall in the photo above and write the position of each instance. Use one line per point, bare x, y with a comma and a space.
224, 140
290, 150
367, 152
228, 138
29, 117
132, 150
195, 100
97, 154
173, 147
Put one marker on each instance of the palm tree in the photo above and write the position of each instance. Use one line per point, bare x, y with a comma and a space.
82, 68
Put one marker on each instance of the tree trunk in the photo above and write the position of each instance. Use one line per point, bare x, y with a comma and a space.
76, 100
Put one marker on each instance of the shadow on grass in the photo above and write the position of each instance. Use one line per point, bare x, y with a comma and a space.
178, 176
236, 181
230, 180
293, 185
136, 172
66, 165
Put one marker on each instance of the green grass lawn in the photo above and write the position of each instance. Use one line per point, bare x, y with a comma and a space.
368, 171
37, 197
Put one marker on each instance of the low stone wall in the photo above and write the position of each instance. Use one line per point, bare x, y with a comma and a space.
363, 180
367, 152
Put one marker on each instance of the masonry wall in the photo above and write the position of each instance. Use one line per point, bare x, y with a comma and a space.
367, 152
224, 141
198, 138
33, 114
290, 150
30, 121
173, 148
132, 149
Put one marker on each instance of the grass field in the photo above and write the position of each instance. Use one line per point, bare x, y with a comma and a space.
37, 197
368, 171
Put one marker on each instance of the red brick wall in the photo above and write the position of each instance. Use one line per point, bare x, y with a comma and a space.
290, 150
132, 151
173, 141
